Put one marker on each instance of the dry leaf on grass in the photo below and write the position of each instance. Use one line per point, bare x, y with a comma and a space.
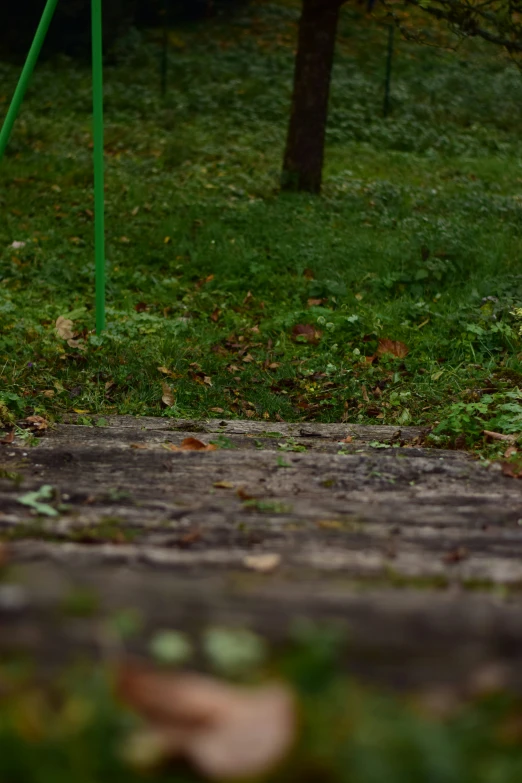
167, 396
393, 347
499, 436
510, 451
225, 731
263, 563
306, 332
64, 328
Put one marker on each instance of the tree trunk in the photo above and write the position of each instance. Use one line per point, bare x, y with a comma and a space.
303, 161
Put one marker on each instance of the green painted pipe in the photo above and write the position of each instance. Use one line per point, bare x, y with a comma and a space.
99, 196
26, 74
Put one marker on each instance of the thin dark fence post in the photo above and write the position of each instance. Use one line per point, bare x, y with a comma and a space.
99, 194
164, 50
387, 83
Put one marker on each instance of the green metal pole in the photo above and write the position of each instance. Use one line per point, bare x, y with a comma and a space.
99, 196
27, 71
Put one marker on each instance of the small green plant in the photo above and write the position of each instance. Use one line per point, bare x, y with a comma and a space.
291, 445
36, 501
222, 442
499, 412
267, 506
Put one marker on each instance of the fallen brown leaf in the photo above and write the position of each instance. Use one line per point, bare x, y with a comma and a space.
189, 538
224, 484
64, 328
225, 731
139, 446
167, 396
9, 438
263, 563
244, 495
510, 451
456, 555
193, 444
511, 470
307, 332
315, 302
37, 423
393, 347
499, 436
330, 524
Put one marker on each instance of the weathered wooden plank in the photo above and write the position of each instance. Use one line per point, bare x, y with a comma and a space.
181, 525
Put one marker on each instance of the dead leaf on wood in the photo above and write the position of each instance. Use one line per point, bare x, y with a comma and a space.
167, 396
139, 446
37, 423
243, 494
224, 485
330, 524
193, 444
189, 538
263, 563
9, 438
64, 328
348, 439
393, 347
456, 555
306, 332
224, 731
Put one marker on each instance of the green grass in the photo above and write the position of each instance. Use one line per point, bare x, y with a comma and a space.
210, 268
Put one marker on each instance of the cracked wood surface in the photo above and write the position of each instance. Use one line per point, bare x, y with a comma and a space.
418, 551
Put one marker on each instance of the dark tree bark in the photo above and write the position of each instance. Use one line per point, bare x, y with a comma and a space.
303, 161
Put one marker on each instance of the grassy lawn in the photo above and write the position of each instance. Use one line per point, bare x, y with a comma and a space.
210, 269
